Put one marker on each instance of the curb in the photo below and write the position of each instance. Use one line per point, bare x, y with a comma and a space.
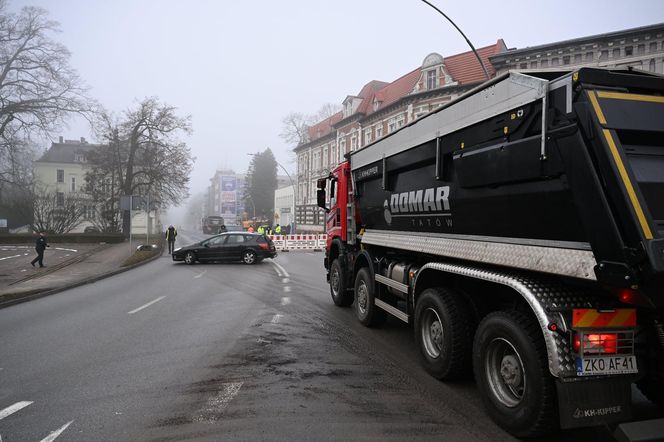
29, 296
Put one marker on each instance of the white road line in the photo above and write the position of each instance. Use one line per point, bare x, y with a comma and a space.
287, 288
211, 412
285, 280
146, 305
10, 257
13, 409
67, 250
284, 273
201, 274
285, 300
276, 269
276, 318
54, 434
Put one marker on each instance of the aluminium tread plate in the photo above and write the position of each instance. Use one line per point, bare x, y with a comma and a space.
570, 262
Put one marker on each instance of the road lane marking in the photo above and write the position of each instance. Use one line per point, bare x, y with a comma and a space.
146, 305
54, 434
284, 273
66, 250
13, 409
285, 280
201, 274
286, 288
285, 300
10, 257
276, 269
215, 405
276, 318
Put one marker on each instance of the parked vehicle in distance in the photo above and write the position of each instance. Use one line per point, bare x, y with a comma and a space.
212, 224
234, 228
249, 248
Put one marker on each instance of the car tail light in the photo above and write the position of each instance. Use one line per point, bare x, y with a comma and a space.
263, 245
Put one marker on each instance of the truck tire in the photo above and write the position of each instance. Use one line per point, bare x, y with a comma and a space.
443, 334
512, 374
338, 289
365, 308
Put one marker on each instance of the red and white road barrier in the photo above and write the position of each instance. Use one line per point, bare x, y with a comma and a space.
299, 242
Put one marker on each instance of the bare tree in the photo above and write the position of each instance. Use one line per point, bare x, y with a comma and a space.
38, 88
58, 212
295, 129
144, 156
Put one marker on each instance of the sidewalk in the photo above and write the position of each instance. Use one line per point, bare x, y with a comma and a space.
100, 261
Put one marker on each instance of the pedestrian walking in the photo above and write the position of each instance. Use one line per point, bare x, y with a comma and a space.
40, 246
171, 233
250, 229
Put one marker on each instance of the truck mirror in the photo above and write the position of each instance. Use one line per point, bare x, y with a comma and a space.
320, 199
321, 183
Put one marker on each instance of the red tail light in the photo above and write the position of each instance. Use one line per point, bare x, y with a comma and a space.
263, 245
596, 343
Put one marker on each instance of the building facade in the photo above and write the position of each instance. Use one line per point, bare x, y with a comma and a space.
640, 48
61, 172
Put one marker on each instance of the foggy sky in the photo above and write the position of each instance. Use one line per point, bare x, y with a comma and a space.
239, 67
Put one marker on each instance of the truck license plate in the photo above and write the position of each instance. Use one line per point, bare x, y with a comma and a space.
599, 365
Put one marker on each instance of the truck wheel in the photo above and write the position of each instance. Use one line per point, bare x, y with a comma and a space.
443, 334
365, 308
340, 294
511, 371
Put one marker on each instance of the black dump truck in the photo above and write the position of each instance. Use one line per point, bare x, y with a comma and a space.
520, 229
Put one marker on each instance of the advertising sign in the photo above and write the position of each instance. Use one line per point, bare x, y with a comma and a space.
228, 183
228, 210
228, 197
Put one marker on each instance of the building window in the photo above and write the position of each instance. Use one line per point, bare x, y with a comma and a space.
545, 63
343, 147
641, 49
60, 175
577, 58
523, 66
431, 79
589, 56
555, 61
60, 199
566, 59
533, 65
73, 184
651, 66
325, 157
616, 52
391, 125
629, 51
653, 46
401, 120
367, 136
379, 131
604, 55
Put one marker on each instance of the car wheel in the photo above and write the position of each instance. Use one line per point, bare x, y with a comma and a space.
512, 373
190, 258
249, 257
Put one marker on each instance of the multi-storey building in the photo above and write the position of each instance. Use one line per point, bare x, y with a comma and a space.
377, 110
641, 48
61, 171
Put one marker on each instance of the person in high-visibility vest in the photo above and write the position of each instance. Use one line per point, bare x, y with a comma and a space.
261, 230
171, 233
277, 230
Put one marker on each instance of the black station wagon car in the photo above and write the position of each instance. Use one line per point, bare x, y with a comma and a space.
249, 248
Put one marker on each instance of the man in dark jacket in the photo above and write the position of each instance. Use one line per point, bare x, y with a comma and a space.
40, 246
171, 233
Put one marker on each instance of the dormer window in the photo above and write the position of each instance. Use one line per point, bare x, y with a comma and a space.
79, 158
376, 104
431, 79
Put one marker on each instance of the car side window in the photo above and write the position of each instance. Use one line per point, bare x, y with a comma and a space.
236, 239
216, 241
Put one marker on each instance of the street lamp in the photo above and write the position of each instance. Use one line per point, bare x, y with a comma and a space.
292, 185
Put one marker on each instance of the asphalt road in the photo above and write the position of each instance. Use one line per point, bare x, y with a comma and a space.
222, 352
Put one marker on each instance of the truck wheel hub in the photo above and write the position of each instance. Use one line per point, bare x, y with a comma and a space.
510, 370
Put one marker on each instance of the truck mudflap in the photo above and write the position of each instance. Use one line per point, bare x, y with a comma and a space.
598, 401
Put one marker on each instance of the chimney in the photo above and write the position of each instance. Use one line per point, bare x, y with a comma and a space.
61, 139
82, 140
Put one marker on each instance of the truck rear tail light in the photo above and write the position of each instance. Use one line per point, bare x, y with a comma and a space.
601, 343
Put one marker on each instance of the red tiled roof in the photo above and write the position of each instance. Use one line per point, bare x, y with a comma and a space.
323, 128
394, 91
465, 68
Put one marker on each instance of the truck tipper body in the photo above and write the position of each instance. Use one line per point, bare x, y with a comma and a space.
520, 229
